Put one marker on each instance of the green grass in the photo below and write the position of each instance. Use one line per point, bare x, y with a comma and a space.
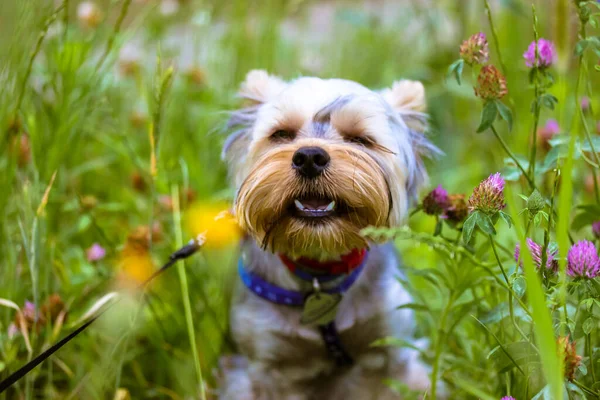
125, 149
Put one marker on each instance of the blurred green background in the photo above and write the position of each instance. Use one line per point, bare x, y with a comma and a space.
93, 98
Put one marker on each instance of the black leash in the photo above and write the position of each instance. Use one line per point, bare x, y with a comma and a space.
184, 252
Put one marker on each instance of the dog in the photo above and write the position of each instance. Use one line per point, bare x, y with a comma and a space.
315, 161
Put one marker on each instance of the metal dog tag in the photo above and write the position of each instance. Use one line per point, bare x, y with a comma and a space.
320, 308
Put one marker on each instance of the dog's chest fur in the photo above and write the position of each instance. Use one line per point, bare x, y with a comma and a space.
271, 335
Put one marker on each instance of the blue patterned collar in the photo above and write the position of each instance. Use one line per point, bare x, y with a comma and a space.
279, 295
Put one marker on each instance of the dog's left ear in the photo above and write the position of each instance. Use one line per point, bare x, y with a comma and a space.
260, 87
406, 95
407, 98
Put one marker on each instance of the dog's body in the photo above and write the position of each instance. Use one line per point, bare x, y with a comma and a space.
315, 161
288, 360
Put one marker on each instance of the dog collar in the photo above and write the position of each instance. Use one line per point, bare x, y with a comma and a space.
279, 295
309, 269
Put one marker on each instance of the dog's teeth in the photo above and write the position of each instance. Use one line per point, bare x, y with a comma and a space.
330, 206
299, 205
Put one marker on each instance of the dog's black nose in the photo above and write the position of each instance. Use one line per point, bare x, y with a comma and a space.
310, 161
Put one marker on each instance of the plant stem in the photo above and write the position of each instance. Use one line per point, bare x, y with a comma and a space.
439, 344
488, 11
111, 40
536, 109
34, 53
585, 388
550, 219
512, 155
189, 320
583, 36
588, 343
510, 290
66, 20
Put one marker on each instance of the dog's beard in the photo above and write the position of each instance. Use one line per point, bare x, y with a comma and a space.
320, 217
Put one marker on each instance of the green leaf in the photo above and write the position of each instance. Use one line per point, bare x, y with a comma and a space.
488, 116
485, 224
413, 306
540, 310
513, 355
456, 69
581, 46
587, 214
472, 389
438, 228
394, 342
547, 100
468, 226
511, 173
519, 286
585, 146
505, 113
506, 218
588, 325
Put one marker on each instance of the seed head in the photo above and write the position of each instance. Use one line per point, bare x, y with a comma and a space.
491, 84
457, 210
475, 49
436, 201
571, 360
488, 196
89, 14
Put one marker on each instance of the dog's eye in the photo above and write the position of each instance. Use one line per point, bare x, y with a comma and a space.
362, 140
282, 134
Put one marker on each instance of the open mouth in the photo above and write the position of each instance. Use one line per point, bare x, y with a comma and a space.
314, 207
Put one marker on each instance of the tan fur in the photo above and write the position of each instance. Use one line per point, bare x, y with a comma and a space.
283, 359
272, 186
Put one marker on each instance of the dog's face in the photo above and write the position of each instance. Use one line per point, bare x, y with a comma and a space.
315, 161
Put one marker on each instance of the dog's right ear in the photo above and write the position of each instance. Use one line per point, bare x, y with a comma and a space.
260, 87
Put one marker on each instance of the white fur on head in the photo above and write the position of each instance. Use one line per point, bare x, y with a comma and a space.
406, 96
331, 114
260, 87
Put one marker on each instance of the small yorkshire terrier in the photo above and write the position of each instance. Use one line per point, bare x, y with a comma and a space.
314, 162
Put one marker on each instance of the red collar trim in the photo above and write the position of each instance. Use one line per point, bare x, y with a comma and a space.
346, 264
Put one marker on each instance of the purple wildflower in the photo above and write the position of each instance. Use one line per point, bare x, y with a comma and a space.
13, 331
536, 254
547, 132
552, 126
596, 229
546, 54
488, 196
583, 261
436, 202
95, 252
508, 398
475, 49
585, 103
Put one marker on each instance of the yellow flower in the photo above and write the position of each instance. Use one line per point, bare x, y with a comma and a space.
135, 262
215, 222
